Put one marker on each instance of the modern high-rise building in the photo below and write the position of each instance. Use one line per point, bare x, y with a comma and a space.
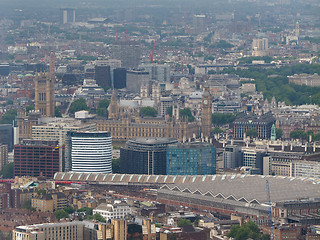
129, 52
37, 158
102, 75
3, 156
90, 151
157, 72
9, 198
119, 78
232, 157
199, 23
191, 159
44, 94
253, 158
135, 78
67, 15
145, 156
6, 136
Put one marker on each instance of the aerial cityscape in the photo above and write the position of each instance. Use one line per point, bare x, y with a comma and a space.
160, 120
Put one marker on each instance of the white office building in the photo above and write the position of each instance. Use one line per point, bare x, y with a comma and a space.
90, 151
113, 211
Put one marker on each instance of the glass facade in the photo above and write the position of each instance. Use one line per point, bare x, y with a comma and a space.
191, 159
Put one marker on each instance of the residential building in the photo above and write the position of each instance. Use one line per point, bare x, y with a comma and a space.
49, 202
52, 231
9, 198
191, 159
145, 156
67, 15
113, 211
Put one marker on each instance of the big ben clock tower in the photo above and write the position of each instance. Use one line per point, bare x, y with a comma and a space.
206, 113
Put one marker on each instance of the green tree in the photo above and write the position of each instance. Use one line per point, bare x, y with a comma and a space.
184, 222
116, 165
169, 111
102, 110
279, 133
186, 113
69, 210
252, 132
148, 112
29, 108
78, 105
222, 118
57, 112
299, 134
99, 218
217, 130
9, 116
86, 210
61, 214
246, 231
7, 171
41, 192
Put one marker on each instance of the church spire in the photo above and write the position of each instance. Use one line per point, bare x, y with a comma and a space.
113, 107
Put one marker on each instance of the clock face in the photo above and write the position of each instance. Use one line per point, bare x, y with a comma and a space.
205, 102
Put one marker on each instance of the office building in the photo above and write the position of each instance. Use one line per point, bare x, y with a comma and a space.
232, 157
67, 15
199, 23
6, 136
57, 129
260, 47
25, 123
245, 122
157, 72
3, 156
191, 159
102, 74
52, 231
253, 159
37, 158
145, 156
128, 52
113, 211
136, 78
119, 78
90, 152
165, 103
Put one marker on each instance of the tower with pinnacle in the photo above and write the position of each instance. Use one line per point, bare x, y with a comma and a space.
113, 107
44, 90
206, 115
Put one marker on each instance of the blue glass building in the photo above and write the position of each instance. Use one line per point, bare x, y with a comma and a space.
191, 159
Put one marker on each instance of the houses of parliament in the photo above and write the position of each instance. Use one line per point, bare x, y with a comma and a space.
124, 125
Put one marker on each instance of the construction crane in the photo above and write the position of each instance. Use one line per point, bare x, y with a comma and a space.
270, 210
127, 36
151, 54
116, 34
